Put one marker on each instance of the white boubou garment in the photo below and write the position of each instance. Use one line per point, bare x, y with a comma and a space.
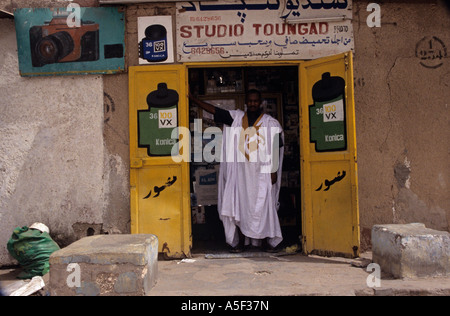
247, 198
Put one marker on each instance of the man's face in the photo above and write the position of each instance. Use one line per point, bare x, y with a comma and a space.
253, 102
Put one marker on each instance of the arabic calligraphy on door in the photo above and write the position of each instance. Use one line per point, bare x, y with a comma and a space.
158, 189
263, 30
328, 183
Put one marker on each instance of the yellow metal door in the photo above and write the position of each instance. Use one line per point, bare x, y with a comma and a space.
160, 200
330, 216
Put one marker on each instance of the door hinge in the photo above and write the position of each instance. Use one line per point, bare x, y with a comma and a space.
136, 163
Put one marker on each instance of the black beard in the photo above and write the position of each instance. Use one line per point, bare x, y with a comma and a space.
253, 116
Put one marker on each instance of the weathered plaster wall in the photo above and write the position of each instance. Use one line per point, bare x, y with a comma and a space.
116, 139
63, 147
51, 149
10, 5
401, 112
402, 116
64, 155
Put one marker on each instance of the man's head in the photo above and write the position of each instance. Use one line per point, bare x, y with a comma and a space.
253, 100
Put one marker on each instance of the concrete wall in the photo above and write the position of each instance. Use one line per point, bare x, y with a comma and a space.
64, 153
55, 165
401, 112
51, 148
63, 147
402, 116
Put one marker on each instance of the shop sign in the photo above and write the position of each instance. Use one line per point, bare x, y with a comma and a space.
263, 30
155, 39
156, 124
327, 117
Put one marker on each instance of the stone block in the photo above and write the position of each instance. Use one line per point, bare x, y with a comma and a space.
105, 265
411, 250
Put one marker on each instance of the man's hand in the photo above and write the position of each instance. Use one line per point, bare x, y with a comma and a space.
205, 106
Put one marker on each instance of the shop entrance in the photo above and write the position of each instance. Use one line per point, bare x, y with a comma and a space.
225, 87
320, 188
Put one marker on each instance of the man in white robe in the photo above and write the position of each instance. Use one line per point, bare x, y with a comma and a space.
250, 174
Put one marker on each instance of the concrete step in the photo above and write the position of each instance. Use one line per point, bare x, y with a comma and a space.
105, 265
411, 250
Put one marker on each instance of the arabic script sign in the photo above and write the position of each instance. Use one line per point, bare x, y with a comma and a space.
263, 30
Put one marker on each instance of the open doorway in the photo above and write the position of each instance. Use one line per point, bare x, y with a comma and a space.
225, 88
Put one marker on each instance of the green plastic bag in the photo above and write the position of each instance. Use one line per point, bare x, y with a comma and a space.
32, 249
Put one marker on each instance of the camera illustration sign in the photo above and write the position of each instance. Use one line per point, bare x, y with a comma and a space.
69, 41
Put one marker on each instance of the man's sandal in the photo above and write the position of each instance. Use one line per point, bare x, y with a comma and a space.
237, 249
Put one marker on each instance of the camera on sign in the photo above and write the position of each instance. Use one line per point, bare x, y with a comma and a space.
56, 42
153, 47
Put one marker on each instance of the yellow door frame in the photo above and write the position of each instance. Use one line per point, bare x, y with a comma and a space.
167, 214
306, 156
325, 189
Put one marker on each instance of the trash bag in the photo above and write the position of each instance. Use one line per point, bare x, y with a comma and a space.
32, 249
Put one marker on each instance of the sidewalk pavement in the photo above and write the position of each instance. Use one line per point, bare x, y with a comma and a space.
264, 274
